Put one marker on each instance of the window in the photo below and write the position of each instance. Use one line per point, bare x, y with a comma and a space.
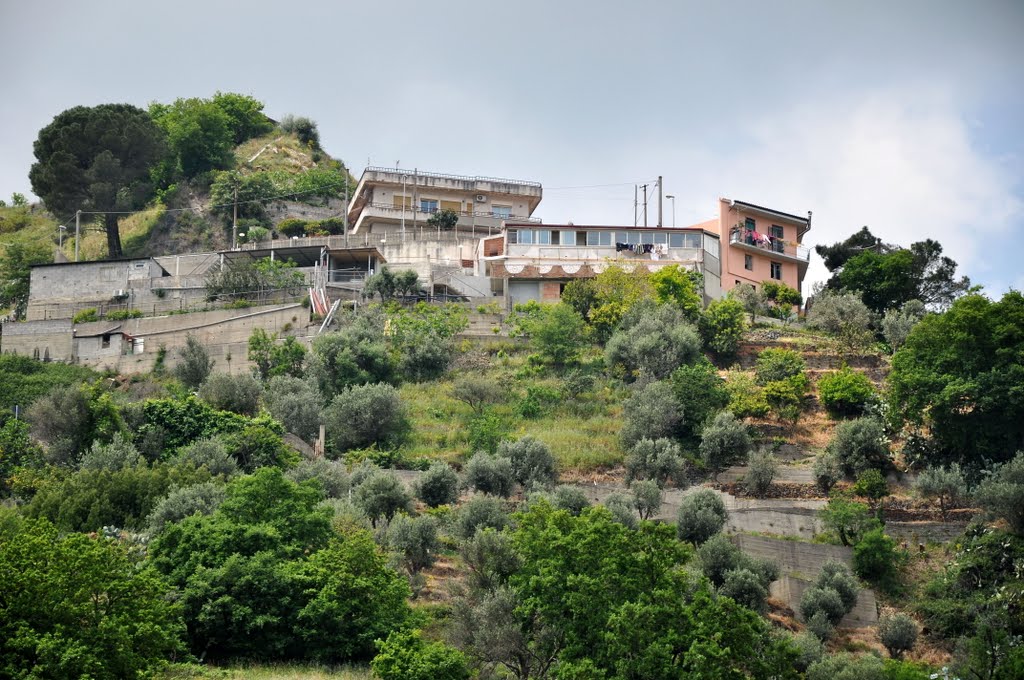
691, 240
543, 237
634, 237
621, 237
748, 262
106, 341
675, 240
778, 244
526, 236
513, 236
567, 238
777, 271
660, 237
556, 237
428, 205
647, 237
582, 238
502, 211
749, 224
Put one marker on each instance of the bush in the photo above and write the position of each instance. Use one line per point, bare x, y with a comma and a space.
257, 446
489, 474
876, 559
848, 519
235, 393
898, 633
897, 323
871, 484
718, 556
439, 485
646, 498
860, 445
809, 649
477, 392
558, 334
184, 502
745, 587
700, 394
724, 442
303, 128
652, 340
846, 667
746, 397
490, 558
366, 415
570, 498
843, 315
415, 540
775, 364
356, 355
121, 314
381, 496
427, 359
761, 468
329, 474
660, 460
846, 392
117, 455
299, 412
479, 512
820, 627
195, 364
85, 316
532, 461
63, 420
824, 600
75, 606
1002, 493
786, 397
293, 227
722, 327
650, 412
702, 514
827, 471
837, 576
947, 485
405, 656
622, 509
208, 453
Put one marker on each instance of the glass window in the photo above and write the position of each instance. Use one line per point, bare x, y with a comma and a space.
647, 237
660, 237
556, 237
526, 235
592, 237
567, 238
502, 211
621, 237
513, 236
543, 237
749, 224
675, 240
777, 270
428, 205
748, 262
582, 238
711, 245
605, 238
691, 240
634, 237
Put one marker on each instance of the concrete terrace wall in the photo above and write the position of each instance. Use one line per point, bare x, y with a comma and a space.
47, 338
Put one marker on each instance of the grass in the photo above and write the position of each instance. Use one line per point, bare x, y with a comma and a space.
266, 671
583, 433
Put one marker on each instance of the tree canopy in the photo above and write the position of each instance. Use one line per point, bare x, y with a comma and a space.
97, 159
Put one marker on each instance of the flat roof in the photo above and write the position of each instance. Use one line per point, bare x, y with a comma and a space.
304, 256
534, 225
115, 261
788, 216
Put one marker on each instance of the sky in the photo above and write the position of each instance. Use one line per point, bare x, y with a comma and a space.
903, 115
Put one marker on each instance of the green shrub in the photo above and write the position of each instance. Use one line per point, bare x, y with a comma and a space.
722, 327
75, 606
479, 512
439, 485
236, 393
871, 484
652, 340
746, 397
257, 445
725, 442
406, 656
356, 355
117, 455
761, 468
293, 227
331, 475
876, 559
775, 364
848, 519
569, 498
746, 588
700, 394
701, 515
121, 314
898, 633
211, 454
650, 412
846, 392
415, 540
490, 558
184, 502
646, 497
824, 600
843, 315
532, 461
194, 365
947, 485
295, 404
85, 316
660, 460
847, 667
381, 496
809, 649
786, 397
860, 445
363, 415
827, 471
489, 474
332, 225
1002, 493
486, 431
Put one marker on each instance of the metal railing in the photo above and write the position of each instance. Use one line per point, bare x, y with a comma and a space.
460, 213
459, 178
773, 244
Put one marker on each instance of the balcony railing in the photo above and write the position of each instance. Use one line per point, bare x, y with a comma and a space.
457, 178
769, 244
397, 210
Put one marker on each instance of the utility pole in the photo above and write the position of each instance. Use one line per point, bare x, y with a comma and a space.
234, 220
634, 204
344, 220
78, 231
661, 222
644, 187
415, 194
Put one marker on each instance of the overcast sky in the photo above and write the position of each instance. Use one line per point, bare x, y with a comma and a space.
904, 116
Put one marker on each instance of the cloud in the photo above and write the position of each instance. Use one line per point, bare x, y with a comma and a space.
900, 161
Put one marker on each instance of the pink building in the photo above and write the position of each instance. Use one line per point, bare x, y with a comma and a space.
759, 244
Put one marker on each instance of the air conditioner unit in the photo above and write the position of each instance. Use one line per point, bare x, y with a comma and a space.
480, 198
120, 293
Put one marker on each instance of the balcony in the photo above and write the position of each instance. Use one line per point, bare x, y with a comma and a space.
469, 220
769, 246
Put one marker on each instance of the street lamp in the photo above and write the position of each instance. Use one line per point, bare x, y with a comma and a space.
60, 235
673, 199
